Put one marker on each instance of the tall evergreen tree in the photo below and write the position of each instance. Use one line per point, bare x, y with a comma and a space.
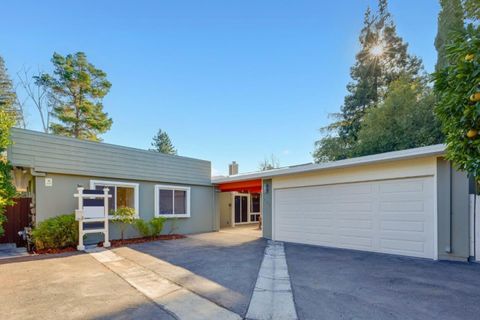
7, 94
450, 20
162, 143
7, 121
78, 88
383, 58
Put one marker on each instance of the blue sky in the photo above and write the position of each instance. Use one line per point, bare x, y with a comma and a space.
228, 80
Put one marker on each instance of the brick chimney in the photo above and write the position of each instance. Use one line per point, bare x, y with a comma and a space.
233, 168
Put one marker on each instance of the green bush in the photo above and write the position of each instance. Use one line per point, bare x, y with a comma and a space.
156, 225
124, 216
151, 229
143, 228
56, 233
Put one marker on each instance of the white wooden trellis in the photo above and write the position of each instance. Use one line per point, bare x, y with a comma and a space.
92, 214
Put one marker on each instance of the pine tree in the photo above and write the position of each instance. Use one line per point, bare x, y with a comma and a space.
78, 89
383, 58
7, 121
162, 143
450, 20
7, 94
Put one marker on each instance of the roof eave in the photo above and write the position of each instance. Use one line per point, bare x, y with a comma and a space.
429, 151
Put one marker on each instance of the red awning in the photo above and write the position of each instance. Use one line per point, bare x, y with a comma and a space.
251, 186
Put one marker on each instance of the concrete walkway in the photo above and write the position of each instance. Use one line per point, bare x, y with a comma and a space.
272, 297
180, 302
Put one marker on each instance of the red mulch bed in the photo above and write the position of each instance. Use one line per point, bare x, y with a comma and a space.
119, 243
115, 243
54, 251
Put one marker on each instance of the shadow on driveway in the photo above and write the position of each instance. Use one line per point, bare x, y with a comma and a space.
225, 260
343, 284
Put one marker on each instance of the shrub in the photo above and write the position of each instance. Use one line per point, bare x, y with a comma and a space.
156, 225
125, 216
56, 233
151, 229
143, 228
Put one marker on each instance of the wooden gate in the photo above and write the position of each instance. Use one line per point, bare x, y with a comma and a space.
18, 217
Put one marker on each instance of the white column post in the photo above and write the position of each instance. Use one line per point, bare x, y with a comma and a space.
106, 242
80, 221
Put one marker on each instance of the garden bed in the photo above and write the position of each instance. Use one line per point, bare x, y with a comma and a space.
54, 251
115, 243
119, 243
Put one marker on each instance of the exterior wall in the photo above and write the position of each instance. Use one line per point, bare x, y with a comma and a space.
267, 208
56, 154
390, 170
58, 199
453, 213
225, 203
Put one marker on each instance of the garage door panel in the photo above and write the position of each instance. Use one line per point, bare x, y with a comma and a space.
394, 216
351, 189
356, 224
354, 206
403, 206
396, 225
402, 186
411, 248
355, 242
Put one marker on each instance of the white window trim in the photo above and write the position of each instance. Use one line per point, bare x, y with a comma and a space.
159, 187
135, 186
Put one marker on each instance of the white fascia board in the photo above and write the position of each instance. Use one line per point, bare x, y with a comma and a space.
434, 150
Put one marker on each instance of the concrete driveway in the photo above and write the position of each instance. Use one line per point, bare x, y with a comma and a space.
217, 273
343, 284
220, 267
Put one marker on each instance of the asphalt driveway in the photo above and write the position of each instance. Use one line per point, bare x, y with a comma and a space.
343, 284
220, 266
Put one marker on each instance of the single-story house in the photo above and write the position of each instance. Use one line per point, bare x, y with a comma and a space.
51, 167
410, 202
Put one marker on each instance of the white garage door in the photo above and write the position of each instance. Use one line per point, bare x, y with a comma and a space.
391, 216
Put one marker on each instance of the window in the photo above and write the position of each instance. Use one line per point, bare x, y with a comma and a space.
255, 200
124, 194
172, 201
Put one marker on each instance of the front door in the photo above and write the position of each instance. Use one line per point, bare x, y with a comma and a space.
241, 208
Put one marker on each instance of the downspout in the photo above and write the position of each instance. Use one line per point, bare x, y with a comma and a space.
450, 231
36, 173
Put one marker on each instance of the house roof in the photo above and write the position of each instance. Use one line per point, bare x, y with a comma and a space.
434, 150
63, 155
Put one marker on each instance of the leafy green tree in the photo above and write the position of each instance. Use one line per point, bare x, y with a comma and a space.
124, 216
383, 59
162, 143
7, 121
457, 87
78, 89
450, 19
405, 119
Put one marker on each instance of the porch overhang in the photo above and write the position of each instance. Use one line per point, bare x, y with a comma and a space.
249, 186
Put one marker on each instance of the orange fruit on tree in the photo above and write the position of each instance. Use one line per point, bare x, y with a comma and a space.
475, 97
472, 133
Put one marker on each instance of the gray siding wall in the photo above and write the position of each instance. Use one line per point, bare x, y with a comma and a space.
56, 154
453, 212
267, 208
58, 199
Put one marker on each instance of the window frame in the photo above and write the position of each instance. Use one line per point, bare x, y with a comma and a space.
156, 191
135, 186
